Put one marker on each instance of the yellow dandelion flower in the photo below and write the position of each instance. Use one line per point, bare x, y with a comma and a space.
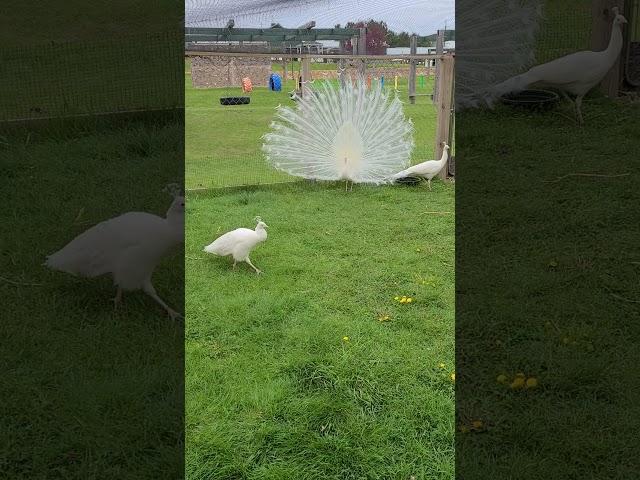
403, 300
453, 377
345, 339
441, 365
532, 382
502, 378
396, 298
418, 250
409, 300
517, 383
477, 424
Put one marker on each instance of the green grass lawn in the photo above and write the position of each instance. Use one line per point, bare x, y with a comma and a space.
223, 143
555, 295
87, 392
273, 390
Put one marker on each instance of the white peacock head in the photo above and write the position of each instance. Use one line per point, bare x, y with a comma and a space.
618, 19
177, 206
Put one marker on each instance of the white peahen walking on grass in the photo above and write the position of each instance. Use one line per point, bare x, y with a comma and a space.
128, 246
349, 132
574, 74
239, 243
428, 169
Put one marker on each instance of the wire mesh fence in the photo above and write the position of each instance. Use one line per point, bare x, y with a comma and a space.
128, 73
224, 140
565, 28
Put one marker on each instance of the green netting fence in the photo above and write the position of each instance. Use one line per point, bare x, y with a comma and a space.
124, 74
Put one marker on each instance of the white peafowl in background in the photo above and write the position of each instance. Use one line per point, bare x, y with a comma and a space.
428, 169
239, 243
350, 133
496, 40
128, 246
574, 74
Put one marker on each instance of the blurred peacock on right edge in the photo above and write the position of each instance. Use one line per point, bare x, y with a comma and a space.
488, 70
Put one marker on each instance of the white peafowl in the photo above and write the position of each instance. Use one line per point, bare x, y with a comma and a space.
351, 132
428, 169
574, 74
128, 246
239, 243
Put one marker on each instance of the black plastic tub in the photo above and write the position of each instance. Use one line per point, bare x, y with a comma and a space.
235, 100
532, 99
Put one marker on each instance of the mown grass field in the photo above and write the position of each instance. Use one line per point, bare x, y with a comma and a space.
313, 370
88, 391
547, 285
273, 388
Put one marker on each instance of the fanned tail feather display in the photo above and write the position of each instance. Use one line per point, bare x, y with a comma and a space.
348, 132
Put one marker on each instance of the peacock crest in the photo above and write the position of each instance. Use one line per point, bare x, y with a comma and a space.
348, 132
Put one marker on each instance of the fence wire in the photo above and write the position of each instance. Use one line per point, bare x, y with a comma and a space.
565, 28
131, 73
223, 142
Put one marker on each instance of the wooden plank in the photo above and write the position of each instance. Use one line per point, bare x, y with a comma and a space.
336, 32
413, 46
602, 18
419, 56
445, 102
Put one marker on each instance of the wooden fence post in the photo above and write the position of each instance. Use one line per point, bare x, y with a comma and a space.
306, 75
445, 101
362, 50
602, 17
413, 45
439, 51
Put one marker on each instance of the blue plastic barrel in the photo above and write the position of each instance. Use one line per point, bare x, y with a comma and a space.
275, 84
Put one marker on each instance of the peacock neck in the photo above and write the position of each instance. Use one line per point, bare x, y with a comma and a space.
615, 43
262, 233
445, 156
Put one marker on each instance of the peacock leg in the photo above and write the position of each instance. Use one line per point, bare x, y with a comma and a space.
248, 260
235, 262
429, 183
117, 300
579, 109
149, 290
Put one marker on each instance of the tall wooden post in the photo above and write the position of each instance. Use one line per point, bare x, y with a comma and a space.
600, 34
413, 49
341, 65
439, 51
362, 50
445, 102
306, 75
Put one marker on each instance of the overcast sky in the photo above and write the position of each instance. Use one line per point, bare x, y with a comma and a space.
423, 17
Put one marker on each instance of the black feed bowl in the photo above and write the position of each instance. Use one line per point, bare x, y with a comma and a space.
235, 100
531, 99
409, 180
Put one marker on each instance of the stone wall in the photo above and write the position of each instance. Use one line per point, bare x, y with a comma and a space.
216, 72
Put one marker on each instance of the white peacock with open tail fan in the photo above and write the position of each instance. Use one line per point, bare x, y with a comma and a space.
350, 132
